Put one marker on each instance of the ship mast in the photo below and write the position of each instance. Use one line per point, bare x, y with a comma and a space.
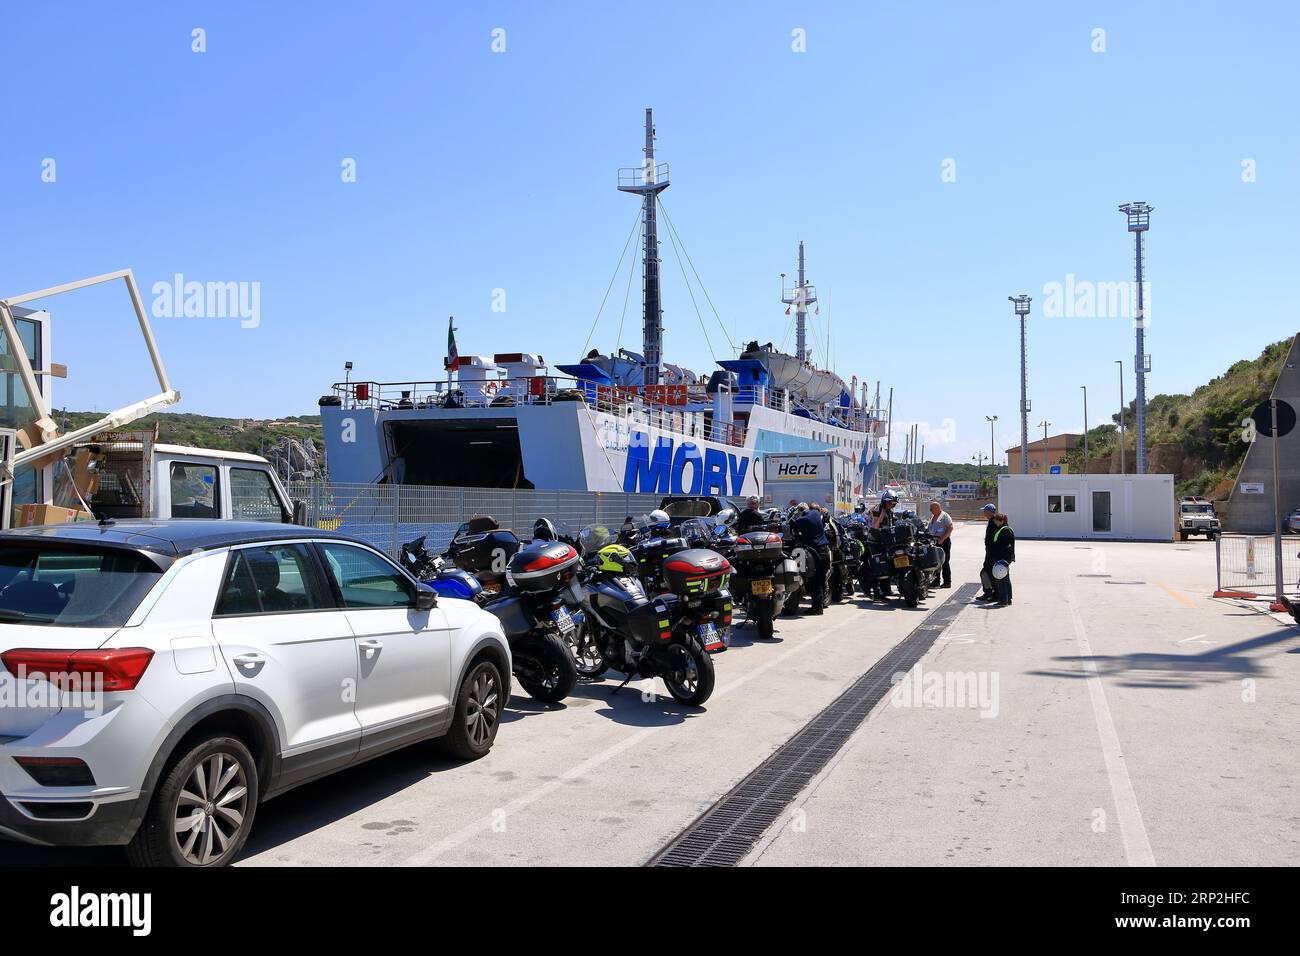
649, 181
801, 296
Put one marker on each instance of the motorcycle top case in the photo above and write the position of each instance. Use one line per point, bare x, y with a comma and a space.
543, 566
695, 572
756, 545
483, 551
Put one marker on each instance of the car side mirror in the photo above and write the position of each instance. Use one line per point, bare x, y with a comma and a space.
426, 598
300, 512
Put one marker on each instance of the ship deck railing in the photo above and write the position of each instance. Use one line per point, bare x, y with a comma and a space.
682, 408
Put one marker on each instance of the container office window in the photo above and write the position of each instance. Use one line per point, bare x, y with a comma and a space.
1060, 504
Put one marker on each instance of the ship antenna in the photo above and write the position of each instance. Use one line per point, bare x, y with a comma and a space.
649, 181
801, 296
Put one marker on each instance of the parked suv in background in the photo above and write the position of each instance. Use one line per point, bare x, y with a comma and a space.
165, 677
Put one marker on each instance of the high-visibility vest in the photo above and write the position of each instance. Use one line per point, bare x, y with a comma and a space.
999, 531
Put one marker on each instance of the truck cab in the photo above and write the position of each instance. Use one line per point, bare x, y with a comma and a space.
1196, 516
222, 485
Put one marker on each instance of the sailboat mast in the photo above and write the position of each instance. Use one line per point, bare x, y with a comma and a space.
649, 181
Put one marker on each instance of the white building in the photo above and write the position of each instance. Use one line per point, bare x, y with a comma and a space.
1115, 507
958, 490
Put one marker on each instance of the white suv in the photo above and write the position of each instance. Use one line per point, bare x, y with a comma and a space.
161, 678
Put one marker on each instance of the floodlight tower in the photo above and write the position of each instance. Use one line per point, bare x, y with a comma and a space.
1021, 303
1139, 221
648, 181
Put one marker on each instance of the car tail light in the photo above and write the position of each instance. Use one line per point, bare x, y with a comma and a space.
57, 771
118, 668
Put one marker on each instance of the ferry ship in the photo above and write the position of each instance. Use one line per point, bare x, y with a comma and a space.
626, 421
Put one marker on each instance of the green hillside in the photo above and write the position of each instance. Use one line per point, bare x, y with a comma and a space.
1205, 425
227, 434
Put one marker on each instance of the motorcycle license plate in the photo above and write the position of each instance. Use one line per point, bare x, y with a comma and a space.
902, 561
563, 621
708, 635
761, 586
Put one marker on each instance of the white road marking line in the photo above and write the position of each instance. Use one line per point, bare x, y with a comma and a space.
429, 854
1194, 639
1133, 833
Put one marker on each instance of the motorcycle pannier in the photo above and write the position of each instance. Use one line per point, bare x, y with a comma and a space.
514, 617
695, 572
544, 566
650, 623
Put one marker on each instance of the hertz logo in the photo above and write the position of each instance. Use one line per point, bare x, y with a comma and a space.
802, 469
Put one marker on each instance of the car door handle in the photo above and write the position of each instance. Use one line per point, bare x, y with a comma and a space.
249, 660
371, 647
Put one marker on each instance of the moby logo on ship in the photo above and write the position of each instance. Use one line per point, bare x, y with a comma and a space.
683, 469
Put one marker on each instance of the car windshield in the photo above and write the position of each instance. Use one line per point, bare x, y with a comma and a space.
1197, 509
72, 586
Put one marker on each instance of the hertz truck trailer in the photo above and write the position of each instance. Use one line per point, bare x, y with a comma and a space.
825, 477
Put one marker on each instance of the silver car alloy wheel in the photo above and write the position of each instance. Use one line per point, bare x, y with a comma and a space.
211, 808
484, 707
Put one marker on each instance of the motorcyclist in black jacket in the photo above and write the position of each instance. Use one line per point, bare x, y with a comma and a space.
751, 517
809, 529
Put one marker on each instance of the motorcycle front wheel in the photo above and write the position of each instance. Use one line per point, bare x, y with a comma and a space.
585, 649
551, 673
688, 672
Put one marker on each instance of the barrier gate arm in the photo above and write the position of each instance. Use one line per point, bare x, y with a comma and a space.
52, 440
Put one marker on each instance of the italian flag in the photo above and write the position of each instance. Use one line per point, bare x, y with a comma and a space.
453, 357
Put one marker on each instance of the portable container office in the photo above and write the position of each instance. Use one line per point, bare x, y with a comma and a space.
1106, 507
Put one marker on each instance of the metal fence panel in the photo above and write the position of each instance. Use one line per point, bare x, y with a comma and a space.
1245, 562
387, 516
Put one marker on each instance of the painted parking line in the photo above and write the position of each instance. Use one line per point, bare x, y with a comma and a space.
1132, 831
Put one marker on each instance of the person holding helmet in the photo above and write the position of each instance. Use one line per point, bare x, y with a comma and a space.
809, 529
751, 517
986, 579
1003, 553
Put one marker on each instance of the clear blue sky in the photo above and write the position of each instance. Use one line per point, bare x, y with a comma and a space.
478, 171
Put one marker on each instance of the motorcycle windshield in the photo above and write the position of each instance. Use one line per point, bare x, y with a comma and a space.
595, 536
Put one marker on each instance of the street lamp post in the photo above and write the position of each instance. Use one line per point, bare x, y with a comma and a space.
1139, 221
992, 454
1021, 303
1085, 428
978, 458
1120, 363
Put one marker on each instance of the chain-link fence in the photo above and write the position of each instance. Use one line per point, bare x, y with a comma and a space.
386, 516
1245, 562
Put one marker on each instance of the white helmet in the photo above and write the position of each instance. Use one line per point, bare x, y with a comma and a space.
659, 518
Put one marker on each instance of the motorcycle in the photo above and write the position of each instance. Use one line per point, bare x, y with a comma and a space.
848, 549
667, 635
905, 556
766, 577
532, 598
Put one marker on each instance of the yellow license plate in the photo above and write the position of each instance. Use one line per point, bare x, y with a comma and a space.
902, 561
761, 586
